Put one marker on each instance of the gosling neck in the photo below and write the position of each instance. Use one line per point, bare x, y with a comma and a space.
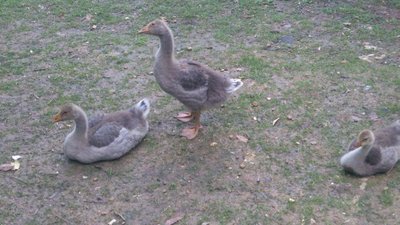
365, 148
357, 155
81, 125
166, 50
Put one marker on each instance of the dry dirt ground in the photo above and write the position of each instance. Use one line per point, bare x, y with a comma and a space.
315, 73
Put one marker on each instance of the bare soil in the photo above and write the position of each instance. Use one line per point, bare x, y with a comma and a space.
286, 173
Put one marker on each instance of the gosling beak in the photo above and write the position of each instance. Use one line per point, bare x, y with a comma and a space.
144, 30
57, 118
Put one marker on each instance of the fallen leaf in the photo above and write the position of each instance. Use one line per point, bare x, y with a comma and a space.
289, 117
312, 221
16, 165
112, 222
347, 24
275, 121
6, 167
16, 157
249, 157
367, 88
355, 119
254, 104
363, 185
242, 166
368, 46
175, 219
373, 116
120, 216
88, 17
313, 142
355, 199
242, 138
213, 144
10, 166
366, 57
239, 69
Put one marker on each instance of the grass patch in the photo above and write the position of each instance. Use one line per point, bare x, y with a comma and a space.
8, 86
258, 68
387, 109
221, 212
386, 198
51, 56
351, 13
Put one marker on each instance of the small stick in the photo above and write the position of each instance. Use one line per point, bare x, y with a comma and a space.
123, 218
39, 69
19, 179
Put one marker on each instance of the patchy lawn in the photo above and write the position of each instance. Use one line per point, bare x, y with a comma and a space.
322, 70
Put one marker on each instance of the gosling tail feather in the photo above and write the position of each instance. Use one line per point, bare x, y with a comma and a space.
235, 85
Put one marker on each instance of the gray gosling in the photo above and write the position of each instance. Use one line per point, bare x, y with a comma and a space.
373, 152
103, 136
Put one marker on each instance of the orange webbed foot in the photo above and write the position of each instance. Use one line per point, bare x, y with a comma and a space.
190, 132
185, 116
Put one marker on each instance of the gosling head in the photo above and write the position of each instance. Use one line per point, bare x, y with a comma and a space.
157, 27
366, 137
67, 112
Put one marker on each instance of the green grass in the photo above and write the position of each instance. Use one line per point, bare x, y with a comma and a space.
386, 198
221, 212
65, 99
352, 14
364, 204
51, 56
394, 3
8, 86
389, 108
258, 68
255, 214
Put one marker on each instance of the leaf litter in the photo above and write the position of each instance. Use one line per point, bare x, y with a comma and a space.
242, 138
176, 218
11, 166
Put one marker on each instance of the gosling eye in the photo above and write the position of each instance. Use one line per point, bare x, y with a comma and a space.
152, 24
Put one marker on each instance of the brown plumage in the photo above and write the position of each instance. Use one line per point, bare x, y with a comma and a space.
195, 85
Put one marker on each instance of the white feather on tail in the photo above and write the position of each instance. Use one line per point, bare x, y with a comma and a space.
235, 85
144, 106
